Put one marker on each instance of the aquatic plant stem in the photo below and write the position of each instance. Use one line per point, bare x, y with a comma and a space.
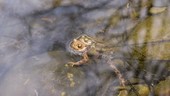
120, 76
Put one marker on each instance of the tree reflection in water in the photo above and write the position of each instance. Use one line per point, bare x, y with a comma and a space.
33, 43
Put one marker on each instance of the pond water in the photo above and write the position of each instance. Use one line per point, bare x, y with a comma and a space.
35, 35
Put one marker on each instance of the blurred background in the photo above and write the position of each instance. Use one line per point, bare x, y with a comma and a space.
34, 38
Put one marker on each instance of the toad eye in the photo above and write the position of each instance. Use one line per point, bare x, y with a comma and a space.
79, 46
86, 40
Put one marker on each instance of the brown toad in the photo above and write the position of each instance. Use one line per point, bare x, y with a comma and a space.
80, 46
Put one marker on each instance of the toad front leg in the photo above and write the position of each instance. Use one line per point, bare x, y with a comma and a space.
82, 61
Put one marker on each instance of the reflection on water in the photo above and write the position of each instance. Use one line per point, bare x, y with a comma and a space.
35, 35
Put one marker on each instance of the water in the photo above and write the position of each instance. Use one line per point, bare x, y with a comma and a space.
35, 34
